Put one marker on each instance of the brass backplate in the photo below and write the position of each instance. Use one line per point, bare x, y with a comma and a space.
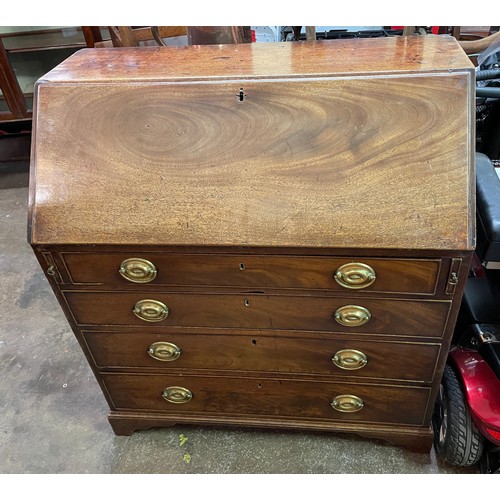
352, 315
177, 395
349, 359
138, 270
151, 310
355, 275
347, 403
164, 351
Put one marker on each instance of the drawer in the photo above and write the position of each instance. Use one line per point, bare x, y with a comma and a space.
267, 396
390, 275
383, 316
409, 361
359, 358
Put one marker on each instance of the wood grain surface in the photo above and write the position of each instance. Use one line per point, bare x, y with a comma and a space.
397, 317
268, 396
409, 361
379, 162
358, 56
268, 271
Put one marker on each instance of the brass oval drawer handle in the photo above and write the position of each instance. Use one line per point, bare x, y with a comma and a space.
151, 310
164, 351
347, 403
355, 275
138, 270
352, 315
349, 359
177, 395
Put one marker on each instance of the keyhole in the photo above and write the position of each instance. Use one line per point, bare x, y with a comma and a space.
242, 95
242, 266
254, 342
246, 302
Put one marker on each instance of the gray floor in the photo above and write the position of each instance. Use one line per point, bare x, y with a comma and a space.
53, 416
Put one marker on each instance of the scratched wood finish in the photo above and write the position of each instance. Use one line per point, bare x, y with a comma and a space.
352, 57
409, 361
304, 162
393, 275
277, 397
396, 317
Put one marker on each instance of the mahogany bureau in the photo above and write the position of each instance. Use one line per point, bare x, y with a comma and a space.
270, 235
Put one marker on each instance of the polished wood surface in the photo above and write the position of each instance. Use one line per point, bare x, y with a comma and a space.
270, 271
393, 55
248, 175
403, 317
278, 397
310, 162
409, 361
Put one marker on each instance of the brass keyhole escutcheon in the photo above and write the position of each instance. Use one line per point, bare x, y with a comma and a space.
138, 270
151, 310
164, 351
347, 403
352, 316
355, 275
177, 395
349, 359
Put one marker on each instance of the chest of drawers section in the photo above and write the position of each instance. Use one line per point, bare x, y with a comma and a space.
318, 342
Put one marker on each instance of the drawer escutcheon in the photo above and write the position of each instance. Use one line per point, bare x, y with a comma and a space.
151, 310
177, 395
351, 315
138, 270
349, 359
355, 275
347, 403
164, 351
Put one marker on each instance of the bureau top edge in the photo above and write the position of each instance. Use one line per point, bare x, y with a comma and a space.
264, 60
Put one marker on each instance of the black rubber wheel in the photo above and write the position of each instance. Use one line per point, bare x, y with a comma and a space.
456, 437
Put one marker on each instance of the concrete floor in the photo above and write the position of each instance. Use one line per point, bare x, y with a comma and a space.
53, 416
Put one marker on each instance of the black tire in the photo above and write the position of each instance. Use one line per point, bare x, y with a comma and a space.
456, 437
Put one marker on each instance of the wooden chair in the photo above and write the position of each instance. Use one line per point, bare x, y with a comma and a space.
477, 46
472, 42
130, 36
310, 33
140, 36
135, 36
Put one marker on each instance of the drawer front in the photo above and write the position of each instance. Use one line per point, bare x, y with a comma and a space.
389, 275
393, 317
266, 396
353, 358
358, 358
220, 352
